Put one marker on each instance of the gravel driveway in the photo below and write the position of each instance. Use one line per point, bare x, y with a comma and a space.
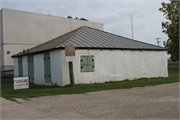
151, 102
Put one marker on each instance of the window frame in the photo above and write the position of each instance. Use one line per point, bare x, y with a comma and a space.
90, 65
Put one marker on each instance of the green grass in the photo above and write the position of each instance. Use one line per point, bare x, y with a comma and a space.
41, 90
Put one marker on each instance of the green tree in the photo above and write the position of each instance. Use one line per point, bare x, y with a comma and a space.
83, 19
77, 18
69, 16
171, 27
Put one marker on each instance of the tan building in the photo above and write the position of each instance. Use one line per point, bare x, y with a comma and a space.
22, 30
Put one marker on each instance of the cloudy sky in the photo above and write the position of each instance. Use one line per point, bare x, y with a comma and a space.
114, 14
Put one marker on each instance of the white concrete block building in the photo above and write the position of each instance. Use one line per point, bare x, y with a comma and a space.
99, 57
22, 30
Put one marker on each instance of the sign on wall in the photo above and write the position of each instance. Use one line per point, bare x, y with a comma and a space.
69, 50
20, 83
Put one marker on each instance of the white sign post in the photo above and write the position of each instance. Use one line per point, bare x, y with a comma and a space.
20, 83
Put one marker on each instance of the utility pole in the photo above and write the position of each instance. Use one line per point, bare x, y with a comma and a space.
158, 41
132, 26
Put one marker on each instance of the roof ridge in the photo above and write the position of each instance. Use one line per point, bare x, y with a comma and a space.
69, 39
123, 37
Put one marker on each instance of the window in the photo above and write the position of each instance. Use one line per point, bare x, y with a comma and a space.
87, 63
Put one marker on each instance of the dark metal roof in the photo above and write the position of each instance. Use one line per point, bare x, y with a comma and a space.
87, 37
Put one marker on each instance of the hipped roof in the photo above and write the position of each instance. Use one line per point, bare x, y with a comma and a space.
91, 38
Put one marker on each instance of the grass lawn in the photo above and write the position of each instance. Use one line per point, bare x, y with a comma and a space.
41, 90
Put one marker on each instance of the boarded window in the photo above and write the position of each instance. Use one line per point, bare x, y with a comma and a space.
20, 66
47, 67
31, 68
87, 63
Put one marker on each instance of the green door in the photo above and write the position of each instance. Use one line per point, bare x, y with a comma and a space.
71, 75
47, 67
20, 66
31, 68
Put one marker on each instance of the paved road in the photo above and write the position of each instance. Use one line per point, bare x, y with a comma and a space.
15, 111
152, 102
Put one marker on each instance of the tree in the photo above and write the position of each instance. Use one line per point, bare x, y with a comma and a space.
77, 18
69, 16
171, 27
83, 19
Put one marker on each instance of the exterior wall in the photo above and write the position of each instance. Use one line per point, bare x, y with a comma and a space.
78, 23
115, 65
13, 50
56, 68
25, 66
16, 71
110, 65
39, 69
1, 38
57, 26
22, 30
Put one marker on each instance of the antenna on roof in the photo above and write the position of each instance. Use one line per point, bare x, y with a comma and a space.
132, 26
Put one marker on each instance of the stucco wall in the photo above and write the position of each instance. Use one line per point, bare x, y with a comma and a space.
16, 71
22, 30
39, 69
56, 69
110, 65
25, 66
114, 65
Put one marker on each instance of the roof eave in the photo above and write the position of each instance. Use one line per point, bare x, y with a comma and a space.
37, 52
